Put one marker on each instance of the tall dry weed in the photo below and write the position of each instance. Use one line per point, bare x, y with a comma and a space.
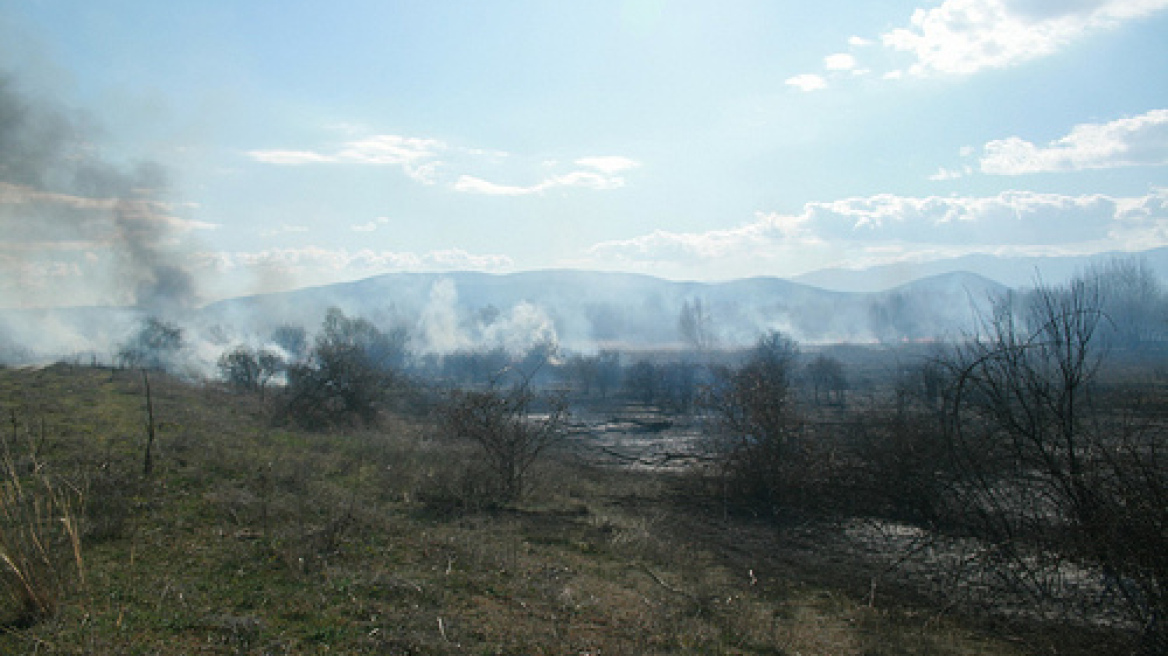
40, 540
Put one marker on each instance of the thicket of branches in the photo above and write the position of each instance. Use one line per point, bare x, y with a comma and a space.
510, 428
1014, 437
1051, 470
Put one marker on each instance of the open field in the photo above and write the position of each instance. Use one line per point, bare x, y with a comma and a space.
254, 539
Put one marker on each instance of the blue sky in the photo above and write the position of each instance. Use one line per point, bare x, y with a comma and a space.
308, 142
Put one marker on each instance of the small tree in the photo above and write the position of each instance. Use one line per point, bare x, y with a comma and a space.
352, 366
696, 325
827, 378
1134, 301
510, 435
755, 421
154, 346
249, 369
294, 341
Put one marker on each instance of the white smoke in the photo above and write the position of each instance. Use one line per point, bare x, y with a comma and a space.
520, 329
439, 328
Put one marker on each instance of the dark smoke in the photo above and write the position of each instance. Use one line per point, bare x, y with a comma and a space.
65, 209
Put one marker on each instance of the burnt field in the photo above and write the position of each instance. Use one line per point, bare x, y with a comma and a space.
1000, 493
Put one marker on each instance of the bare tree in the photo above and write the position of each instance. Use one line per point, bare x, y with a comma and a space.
1046, 473
827, 378
696, 325
1133, 299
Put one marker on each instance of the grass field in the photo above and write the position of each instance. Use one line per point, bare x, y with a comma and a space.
249, 538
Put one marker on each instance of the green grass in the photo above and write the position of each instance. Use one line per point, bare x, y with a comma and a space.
254, 539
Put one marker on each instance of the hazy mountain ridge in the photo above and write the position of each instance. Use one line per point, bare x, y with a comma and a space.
579, 310
1012, 271
586, 310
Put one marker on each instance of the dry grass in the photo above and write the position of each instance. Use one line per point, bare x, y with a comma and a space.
250, 539
40, 539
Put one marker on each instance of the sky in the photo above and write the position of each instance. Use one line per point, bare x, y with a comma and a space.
264, 145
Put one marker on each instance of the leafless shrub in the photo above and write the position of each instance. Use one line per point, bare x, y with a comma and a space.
757, 440
899, 468
511, 428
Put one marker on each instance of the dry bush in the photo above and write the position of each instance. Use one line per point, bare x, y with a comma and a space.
511, 429
899, 468
759, 446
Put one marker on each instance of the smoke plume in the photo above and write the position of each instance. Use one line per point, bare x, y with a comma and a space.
80, 229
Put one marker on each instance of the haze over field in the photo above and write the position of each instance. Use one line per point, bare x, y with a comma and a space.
165, 155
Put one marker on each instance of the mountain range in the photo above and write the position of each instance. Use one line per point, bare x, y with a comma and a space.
583, 310
587, 310
1012, 271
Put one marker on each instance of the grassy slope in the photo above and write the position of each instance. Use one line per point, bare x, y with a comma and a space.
254, 539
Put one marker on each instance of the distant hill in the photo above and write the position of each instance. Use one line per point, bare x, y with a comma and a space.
1010, 271
587, 310
579, 310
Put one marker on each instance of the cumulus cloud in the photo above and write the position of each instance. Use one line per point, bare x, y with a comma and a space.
887, 225
1137, 141
967, 36
807, 82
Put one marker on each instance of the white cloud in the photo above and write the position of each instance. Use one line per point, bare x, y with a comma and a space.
417, 157
950, 174
602, 176
608, 164
877, 226
966, 36
807, 82
371, 225
324, 264
472, 185
291, 157
284, 230
425, 160
859, 42
839, 62
378, 149
1136, 141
